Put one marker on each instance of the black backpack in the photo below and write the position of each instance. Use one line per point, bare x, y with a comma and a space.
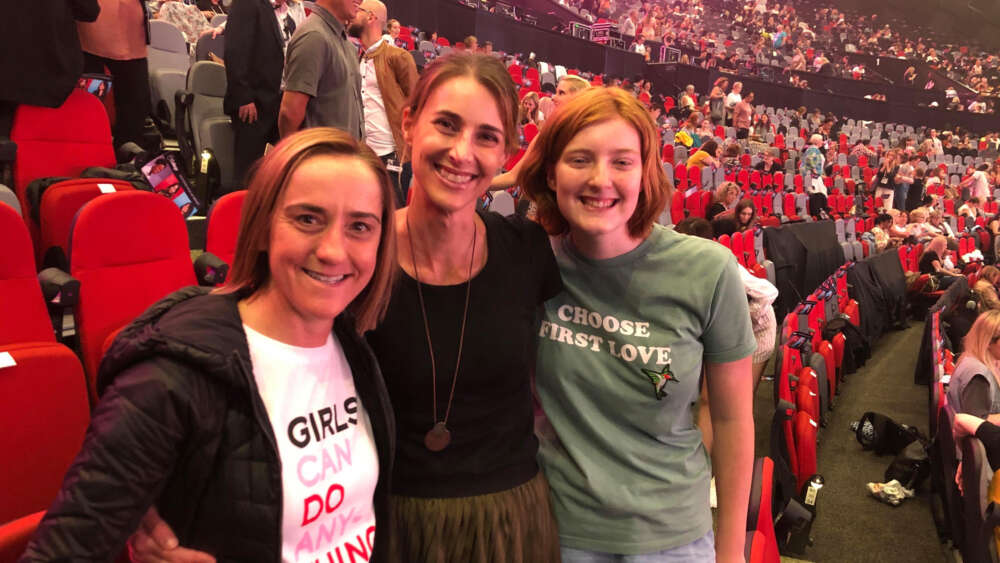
884, 435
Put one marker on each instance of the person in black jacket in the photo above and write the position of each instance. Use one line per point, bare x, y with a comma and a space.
254, 418
255, 59
49, 59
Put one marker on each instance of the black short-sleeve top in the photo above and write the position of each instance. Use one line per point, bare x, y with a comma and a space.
491, 421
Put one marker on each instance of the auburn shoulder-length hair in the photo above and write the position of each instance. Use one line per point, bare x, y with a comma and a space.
250, 271
593, 106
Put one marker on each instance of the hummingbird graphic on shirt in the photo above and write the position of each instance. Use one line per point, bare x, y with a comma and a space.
659, 380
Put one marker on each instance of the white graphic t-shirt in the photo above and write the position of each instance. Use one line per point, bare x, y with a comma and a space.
328, 457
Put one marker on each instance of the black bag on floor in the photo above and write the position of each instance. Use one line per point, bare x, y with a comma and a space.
911, 467
884, 435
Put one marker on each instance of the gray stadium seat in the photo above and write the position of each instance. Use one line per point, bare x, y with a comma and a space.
209, 126
168, 60
8, 196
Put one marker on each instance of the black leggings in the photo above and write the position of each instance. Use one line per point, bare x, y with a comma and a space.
130, 84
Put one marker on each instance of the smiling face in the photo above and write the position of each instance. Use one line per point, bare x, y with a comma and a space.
597, 181
324, 239
458, 143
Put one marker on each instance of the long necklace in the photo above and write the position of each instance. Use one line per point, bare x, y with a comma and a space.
438, 437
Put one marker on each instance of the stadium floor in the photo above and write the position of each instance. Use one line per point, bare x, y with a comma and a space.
851, 526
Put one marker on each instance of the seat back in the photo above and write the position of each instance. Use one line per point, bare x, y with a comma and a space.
8, 197
168, 60
211, 127
805, 428
14, 535
503, 203
763, 548
60, 141
224, 226
128, 249
60, 203
22, 307
208, 45
976, 477
44, 416
948, 455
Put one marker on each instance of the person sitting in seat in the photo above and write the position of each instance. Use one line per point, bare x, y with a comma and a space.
722, 202
881, 232
898, 230
974, 388
708, 154
746, 215
932, 262
986, 288
918, 227
970, 209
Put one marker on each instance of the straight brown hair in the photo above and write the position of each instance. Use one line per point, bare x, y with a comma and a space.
250, 271
488, 71
593, 106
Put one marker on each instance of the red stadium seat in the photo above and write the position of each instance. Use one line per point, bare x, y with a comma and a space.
806, 393
224, 226
805, 428
443, 42
668, 153
677, 207
61, 141
44, 416
724, 240
680, 176
22, 306
14, 535
694, 177
762, 544
128, 250
738, 248
826, 350
60, 203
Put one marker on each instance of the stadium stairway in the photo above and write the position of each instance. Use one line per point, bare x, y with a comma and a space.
851, 525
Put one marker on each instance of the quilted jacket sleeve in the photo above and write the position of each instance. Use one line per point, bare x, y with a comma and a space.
136, 435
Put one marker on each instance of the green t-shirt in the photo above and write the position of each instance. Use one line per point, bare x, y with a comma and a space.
619, 361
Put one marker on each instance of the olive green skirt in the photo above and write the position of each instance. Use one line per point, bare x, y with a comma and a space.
512, 526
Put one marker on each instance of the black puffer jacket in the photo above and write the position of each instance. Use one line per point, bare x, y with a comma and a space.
181, 425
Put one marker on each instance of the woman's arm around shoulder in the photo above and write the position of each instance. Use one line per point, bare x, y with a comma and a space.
137, 432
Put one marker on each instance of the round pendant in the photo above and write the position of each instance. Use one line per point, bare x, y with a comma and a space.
437, 438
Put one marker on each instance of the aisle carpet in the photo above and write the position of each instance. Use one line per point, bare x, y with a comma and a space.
852, 526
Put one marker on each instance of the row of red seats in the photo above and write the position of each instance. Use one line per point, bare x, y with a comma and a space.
808, 375
128, 249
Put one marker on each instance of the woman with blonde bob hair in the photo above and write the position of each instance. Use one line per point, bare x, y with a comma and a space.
974, 388
622, 349
726, 195
216, 406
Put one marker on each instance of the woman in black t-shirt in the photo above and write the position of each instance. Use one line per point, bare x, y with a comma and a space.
725, 196
931, 262
883, 184
457, 346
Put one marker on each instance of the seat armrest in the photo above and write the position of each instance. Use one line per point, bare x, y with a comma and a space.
8, 150
210, 270
59, 288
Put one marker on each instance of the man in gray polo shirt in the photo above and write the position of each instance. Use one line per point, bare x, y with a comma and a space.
322, 77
